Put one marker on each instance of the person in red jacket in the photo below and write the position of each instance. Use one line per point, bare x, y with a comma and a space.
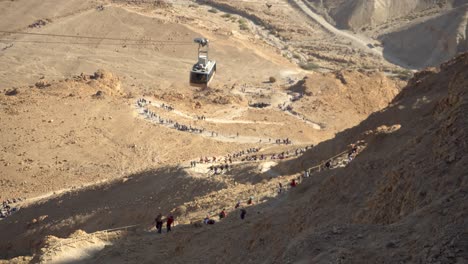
293, 183
170, 220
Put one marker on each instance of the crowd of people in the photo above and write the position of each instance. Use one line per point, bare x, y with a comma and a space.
142, 102
209, 219
8, 207
167, 107
189, 128
224, 164
152, 116
171, 123
259, 105
219, 169
283, 155
285, 141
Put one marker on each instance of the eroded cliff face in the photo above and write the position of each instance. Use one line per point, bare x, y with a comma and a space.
419, 32
430, 42
356, 14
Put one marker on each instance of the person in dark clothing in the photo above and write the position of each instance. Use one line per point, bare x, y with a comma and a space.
328, 165
169, 221
222, 214
280, 190
243, 212
159, 223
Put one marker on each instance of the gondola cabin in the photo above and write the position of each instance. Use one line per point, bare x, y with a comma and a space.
203, 71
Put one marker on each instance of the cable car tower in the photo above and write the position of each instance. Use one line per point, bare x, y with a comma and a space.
203, 71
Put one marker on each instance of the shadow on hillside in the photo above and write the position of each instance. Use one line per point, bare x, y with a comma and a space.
136, 200
248, 174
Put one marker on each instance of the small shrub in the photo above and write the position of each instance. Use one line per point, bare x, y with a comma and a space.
226, 15
296, 56
243, 27
272, 79
309, 66
243, 24
213, 10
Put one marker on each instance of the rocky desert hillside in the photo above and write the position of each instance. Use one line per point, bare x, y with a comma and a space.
322, 122
356, 14
420, 32
402, 200
432, 41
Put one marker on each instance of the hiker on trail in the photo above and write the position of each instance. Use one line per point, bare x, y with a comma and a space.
170, 220
222, 214
352, 153
280, 190
293, 183
250, 201
208, 221
328, 165
306, 174
159, 223
237, 204
243, 212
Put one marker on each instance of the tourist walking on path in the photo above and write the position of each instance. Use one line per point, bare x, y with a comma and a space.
293, 183
243, 212
169, 221
222, 214
159, 223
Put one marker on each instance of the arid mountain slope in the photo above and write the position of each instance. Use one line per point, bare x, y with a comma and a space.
420, 33
430, 42
356, 14
403, 199
340, 99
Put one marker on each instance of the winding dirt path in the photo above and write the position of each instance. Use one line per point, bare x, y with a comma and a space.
222, 137
210, 134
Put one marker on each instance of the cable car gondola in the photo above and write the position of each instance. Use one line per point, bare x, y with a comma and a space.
203, 71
